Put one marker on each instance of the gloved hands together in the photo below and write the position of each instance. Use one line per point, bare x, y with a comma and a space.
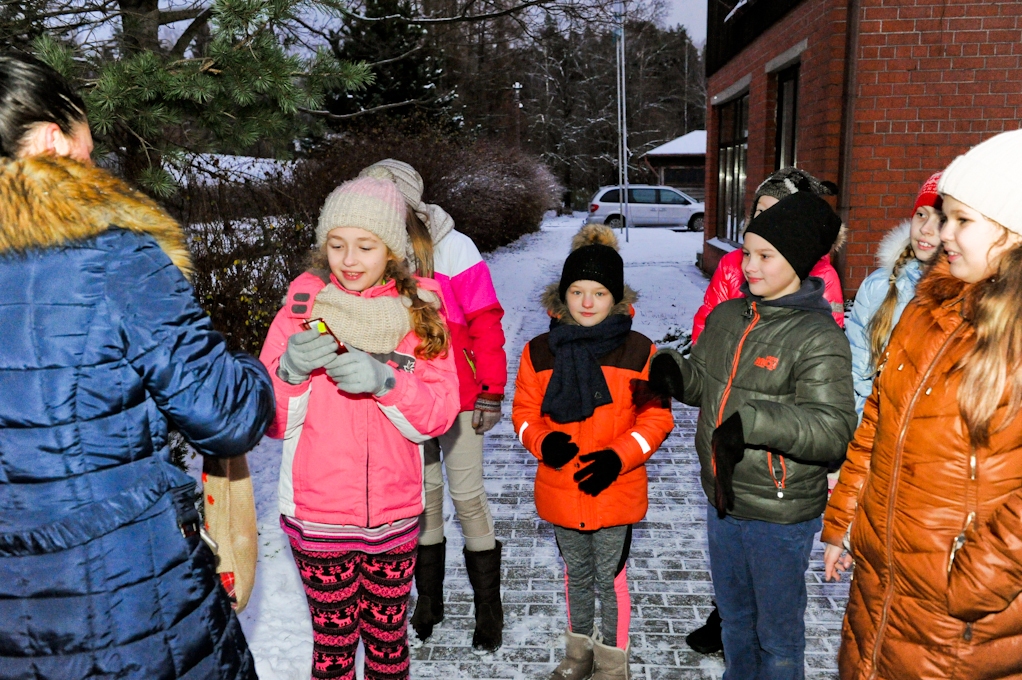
306, 351
665, 381
604, 467
356, 372
558, 449
487, 412
728, 444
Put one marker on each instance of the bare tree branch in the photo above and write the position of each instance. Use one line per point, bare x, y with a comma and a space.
175, 15
460, 18
189, 34
363, 112
397, 58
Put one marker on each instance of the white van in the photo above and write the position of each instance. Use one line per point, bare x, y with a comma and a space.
648, 206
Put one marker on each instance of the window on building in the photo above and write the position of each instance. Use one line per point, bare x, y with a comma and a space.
787, 118
732, 153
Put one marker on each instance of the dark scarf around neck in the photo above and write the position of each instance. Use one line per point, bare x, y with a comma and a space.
577, 386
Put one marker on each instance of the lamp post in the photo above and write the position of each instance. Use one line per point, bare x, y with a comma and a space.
517, 87
622, 118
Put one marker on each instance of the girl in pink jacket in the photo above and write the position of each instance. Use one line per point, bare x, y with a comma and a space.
473, 315
356, 398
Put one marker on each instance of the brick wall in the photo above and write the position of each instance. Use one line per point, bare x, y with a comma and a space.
933, 78
821, 75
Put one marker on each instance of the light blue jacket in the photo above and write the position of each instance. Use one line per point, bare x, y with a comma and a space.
868, 299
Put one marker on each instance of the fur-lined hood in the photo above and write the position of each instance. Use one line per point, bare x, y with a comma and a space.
49, 201
558, 308
893, 244
939, 288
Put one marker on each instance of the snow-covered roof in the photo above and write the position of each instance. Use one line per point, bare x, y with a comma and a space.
692, 144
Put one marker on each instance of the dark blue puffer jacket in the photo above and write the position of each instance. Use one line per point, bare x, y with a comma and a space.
102, 348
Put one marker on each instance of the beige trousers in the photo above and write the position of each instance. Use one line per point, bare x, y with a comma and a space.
463, 461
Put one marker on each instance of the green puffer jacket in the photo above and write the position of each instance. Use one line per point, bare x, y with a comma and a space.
793, 387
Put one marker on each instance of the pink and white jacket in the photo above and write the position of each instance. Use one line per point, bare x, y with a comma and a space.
356, 459
473, 316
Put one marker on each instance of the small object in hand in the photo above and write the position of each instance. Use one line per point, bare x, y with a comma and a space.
604, 467
320, 326
728, 444
558, 449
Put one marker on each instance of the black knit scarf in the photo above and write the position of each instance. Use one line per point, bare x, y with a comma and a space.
577, 385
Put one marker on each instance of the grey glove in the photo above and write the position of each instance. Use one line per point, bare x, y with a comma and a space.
306, 351
486, 413
356, 372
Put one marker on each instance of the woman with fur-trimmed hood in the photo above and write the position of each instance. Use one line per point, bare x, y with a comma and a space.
903, 256
103, 348
574, 411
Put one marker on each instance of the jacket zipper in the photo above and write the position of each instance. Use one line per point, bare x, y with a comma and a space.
731, 378
368, 514
895, 478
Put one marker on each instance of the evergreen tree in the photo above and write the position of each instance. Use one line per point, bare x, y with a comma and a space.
229, 81
405, 63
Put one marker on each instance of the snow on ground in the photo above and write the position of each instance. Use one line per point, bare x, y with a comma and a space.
668, 572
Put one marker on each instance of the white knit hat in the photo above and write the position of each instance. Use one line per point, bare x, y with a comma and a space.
408, 181
988, 179
372, 204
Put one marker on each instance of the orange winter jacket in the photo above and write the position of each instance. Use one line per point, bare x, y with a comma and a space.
913, 490
633, 434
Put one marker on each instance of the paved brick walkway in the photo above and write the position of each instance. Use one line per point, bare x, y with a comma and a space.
669, 575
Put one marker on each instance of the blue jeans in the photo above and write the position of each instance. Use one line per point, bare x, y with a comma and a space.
758, 571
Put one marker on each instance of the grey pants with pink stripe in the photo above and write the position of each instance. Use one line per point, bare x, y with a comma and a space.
594, 564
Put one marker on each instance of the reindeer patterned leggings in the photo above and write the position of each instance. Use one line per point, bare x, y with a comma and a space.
356, 594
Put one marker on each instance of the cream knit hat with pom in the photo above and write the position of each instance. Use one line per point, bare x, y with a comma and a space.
368, 203
987, 179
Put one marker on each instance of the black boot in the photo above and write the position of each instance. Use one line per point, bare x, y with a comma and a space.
484, 575
706, 640
429, 582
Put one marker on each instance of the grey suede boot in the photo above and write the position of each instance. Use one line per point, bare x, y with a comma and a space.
610, 663
578, 658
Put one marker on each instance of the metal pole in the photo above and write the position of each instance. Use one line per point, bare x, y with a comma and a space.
620, 148
624, 120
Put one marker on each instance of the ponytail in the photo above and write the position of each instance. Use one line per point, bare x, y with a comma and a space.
426, 321
881, 325
422, 243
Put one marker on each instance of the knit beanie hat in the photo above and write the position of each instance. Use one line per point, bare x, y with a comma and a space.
802, 227
928, 195
788, 181
372, 204
987, 178
408, 181
594, 257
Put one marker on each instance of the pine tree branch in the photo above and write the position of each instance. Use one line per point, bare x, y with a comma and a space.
364, 112
178, 51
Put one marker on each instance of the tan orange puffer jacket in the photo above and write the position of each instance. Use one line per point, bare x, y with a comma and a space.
910, 486
633, 434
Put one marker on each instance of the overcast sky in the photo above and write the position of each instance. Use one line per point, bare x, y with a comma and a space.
691, 14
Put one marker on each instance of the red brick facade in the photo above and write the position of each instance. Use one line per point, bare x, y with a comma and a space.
931, 78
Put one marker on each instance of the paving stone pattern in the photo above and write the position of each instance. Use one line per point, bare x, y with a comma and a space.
668, 572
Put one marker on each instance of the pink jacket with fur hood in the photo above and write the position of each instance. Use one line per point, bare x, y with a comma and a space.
356, 460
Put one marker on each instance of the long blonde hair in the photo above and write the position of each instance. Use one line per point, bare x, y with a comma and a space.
994, 364
426, 321
882, 323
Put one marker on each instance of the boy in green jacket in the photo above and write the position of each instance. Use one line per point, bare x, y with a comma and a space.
772, 375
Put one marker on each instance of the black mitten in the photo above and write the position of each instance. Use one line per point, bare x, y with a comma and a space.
557, 449
665, 377
604, 467
728, 443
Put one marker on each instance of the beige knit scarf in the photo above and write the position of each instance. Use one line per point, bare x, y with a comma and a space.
375, 325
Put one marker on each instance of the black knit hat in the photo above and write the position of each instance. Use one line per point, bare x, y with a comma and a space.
598, 263
802, 227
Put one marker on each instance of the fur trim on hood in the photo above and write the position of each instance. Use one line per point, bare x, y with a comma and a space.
594, 235
893, 245
939, 287
842, 237
49, 201
558, 308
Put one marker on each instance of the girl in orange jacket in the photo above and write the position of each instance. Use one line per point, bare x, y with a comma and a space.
573, 410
